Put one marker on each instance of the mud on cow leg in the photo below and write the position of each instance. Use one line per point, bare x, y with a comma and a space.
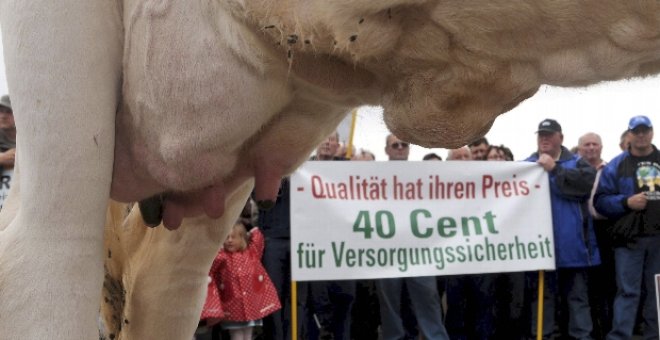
156, 279
63, 65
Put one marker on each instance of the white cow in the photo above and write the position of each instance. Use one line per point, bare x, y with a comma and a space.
191, 100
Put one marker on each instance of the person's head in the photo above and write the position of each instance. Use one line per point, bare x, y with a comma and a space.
549, 138
396, 149
6, 114
460, 154
590, 147
237, 240
364, 155
624, 140
641, 131
432, 157
478, 149
328, 148
498, 153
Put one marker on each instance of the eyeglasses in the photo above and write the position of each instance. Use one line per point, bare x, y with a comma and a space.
399, 145
7, 111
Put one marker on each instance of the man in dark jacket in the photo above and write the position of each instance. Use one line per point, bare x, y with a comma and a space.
571, 181
630, 184
330, 302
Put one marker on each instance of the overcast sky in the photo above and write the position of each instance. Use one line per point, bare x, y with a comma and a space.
604, 109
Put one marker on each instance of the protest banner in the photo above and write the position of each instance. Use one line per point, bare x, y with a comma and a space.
361, 220
5, 180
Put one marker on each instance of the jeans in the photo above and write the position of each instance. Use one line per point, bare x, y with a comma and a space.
637, 262
426, 306
570, 285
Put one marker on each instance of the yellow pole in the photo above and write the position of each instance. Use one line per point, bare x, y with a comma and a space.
539, 309
294, 310
349, 146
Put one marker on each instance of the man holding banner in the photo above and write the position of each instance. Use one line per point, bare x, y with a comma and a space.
629, 194
423, 290
331, 301
571, 181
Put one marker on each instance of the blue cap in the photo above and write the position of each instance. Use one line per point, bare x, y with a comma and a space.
638, 121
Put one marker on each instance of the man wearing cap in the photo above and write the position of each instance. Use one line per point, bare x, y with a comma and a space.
630, 185
571, 181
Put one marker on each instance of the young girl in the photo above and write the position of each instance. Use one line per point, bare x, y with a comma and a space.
246, 292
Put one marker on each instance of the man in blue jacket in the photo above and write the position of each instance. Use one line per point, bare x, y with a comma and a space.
630, 184
571, 180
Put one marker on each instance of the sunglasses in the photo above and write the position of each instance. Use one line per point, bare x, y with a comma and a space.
399, 145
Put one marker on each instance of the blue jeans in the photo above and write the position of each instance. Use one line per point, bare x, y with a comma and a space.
426, 306
638, 261
571, 285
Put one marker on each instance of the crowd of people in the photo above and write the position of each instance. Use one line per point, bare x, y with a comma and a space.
605, 264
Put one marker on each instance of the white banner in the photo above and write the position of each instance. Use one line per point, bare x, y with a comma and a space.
360, 220
5, 180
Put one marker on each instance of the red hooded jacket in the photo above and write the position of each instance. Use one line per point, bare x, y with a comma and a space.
246, 291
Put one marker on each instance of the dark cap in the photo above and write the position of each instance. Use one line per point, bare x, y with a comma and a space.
549, 125
639, 121
432, 156
5, 102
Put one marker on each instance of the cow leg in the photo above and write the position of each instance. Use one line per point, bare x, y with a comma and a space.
63, 63
157, 278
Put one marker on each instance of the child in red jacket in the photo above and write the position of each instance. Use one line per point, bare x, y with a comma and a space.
246, 292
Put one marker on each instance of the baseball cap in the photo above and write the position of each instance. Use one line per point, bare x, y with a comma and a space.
639, 121
4, 101
549, 125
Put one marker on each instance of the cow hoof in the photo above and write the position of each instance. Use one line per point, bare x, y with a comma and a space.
265, 204
152, 210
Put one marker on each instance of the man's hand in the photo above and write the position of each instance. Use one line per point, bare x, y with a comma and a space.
547, 162
637, 201
7, 158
